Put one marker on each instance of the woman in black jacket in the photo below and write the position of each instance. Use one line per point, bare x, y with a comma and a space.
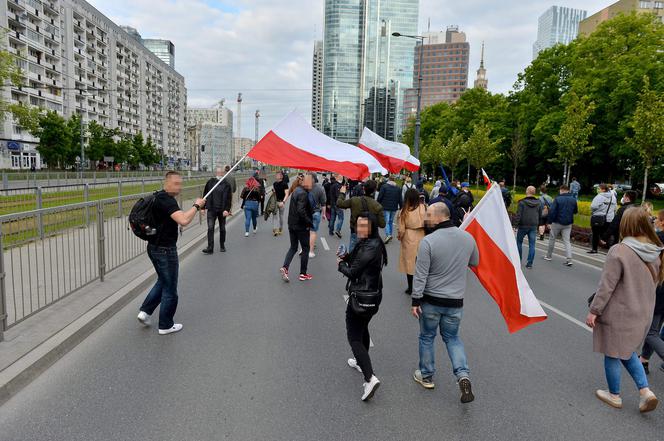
655, 338
363, 269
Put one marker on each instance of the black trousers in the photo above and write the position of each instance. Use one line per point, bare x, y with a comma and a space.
212, 217
598, 232
301, 238
357, 331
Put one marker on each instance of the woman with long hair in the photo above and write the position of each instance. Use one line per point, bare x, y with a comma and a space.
411, 232
251, 196
363, 268
621, 311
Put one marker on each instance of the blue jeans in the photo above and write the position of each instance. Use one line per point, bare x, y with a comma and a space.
316, 221
389, 221
165, 291
336, 215
448, 321
531, 232
633, 366
352, 242
250, 214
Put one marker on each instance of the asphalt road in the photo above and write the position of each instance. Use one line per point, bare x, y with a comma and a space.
262, 360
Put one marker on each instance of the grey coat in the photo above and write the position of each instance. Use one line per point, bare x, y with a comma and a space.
604, 204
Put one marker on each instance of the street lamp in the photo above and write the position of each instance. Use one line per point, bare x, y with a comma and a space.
418, 121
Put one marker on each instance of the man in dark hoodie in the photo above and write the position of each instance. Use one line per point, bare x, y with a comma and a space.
528, 214
389, 197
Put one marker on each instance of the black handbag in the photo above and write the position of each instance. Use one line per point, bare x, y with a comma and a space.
599, 220
364, 303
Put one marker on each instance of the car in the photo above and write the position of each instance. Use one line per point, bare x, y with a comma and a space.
657, 189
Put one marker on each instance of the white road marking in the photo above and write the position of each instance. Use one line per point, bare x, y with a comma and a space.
345, 296
566, 316
326, 247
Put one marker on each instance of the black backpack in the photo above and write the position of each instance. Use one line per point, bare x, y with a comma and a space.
141, 218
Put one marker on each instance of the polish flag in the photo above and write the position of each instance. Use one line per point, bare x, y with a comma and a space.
487, 181
294, 143
394, 156
499, 270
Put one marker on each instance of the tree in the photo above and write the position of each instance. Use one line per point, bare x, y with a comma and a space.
480, 149
517, 152
150, 154
100, 142
54, 139
10, 72
648, 127
122, 149
452, 153
572, 138
136, 152
27, 117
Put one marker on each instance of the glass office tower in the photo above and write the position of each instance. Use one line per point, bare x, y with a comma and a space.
557, 25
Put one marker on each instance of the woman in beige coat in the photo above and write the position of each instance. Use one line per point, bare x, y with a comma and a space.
622, 310
411, 232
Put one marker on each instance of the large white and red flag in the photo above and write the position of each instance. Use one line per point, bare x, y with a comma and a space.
394, 156
294, 143
499, 270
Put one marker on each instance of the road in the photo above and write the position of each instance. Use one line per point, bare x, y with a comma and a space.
260, 359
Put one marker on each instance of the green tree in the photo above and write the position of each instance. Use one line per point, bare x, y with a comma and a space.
480, 149
100, 141
517, 152
10, 73
122, 149
27, 117
572, 138
136, 152
151, 155
54, 139
452, 153
648, 129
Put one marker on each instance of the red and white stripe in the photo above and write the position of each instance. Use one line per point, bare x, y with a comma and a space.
499, 270
394, 156
487, 181
294, 143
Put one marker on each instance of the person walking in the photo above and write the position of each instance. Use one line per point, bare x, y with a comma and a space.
463, 203
218, 208
318, 201
561, 218
575, 188
407, 185
356, 205
389, 197
613, 230
336, 214
621, 311
280, 190
163, 253
436, 189
602, 212
300, 221
411, 232
506, 194
545, 203
655, 338
363, 268
437, 301
528, 214
444, 197
251, 196
263, 182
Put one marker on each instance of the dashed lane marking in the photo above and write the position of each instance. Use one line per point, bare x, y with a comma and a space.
566, 316
326, 247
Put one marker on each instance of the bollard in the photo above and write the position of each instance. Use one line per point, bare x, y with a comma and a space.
119, 198
40, 216
3, 291
86, 198
101, 240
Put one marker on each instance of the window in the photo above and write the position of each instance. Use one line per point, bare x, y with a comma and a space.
645, 4
659, 5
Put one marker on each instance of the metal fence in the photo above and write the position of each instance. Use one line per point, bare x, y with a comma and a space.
26, 178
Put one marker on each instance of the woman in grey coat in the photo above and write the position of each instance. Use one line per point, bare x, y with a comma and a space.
622, 310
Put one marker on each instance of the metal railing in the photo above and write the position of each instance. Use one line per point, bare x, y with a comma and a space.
27, 178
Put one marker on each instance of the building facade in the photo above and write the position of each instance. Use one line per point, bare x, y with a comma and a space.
77, 61
362, 62
557, 25
221, 115
445, 58
242, 147
164, 49
481, 80
317, 87
589, 25
210, 137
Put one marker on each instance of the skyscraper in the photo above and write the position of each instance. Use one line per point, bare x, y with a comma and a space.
557, 25
317, 87
481, 81
164, 49
365, 68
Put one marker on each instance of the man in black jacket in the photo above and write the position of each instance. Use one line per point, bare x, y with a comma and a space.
389, 197
218, 207
300, 221
528, 215
336, 214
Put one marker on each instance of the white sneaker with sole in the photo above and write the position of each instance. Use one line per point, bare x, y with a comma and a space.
176, 328
144, 318
312, 255
370, 388
246, 234
353, 363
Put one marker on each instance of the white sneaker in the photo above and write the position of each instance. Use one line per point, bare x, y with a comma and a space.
144, 318
311, 255
370, 388
353, 363
254, 231
246, 234
547, 258
176, 328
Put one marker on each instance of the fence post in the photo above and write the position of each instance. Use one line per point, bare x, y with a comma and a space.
143, 185
40, 216
5, 181
3, 291
119, 198
101, 240
86, 198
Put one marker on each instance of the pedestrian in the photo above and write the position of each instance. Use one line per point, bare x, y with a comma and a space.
163, 253
286, 178
602, 212
444, 197
545, 202
218, 207
407, 185
528, 214
336, 214
363, 269
506, 194
575, 188
437, 301
230, 178
300, 221
327, 183
561, 218
390, 198
318, 201
463, 203
262, 181
356, 207
435, 190
613, 230
411, 232
655, 338
280, 190
621, 312
251, 196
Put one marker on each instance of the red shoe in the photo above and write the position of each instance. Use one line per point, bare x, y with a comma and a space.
284, 274
305, 277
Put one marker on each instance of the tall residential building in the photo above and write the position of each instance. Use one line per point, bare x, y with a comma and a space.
444, 69
317, 87
76, 60
589, 25
212, 128
557, 25
242, 147
164, 49
363, 62
481, 81
221, 115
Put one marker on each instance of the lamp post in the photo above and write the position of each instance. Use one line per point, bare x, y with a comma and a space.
418, 121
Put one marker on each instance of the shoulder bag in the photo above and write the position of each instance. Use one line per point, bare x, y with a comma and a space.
599, 220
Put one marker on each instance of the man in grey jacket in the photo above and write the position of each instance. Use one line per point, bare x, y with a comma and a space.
439, 286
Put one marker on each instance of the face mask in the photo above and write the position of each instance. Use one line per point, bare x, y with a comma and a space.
622, 200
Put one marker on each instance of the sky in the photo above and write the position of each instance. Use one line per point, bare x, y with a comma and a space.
264, 48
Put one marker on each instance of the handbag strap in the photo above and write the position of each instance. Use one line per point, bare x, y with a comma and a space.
609, 207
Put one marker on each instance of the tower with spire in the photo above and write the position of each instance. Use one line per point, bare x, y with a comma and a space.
481, 82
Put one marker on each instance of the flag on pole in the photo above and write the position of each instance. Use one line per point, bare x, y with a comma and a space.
450, 188
394, 156
294, 143
487, 181
499, 270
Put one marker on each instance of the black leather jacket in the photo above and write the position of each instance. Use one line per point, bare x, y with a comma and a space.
364, 265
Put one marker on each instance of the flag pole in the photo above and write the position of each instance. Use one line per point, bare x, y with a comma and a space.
224, 176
